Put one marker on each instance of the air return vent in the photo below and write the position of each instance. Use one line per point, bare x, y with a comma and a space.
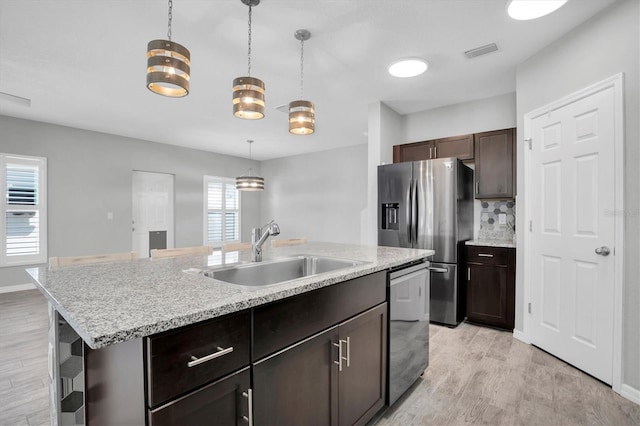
15, 99
283, 108
482, 50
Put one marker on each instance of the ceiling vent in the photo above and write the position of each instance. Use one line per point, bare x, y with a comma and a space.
283, 108
15, 99
482, 50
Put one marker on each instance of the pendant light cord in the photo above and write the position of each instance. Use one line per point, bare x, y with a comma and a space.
170, 19
301, 68
249, 49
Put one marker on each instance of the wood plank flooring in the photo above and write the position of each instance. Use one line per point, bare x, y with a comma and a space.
476, 375
24, 380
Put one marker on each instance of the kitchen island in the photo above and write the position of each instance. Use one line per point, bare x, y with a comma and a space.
117, 306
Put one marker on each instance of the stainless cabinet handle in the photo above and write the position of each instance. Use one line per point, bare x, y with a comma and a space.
439, 270
484, 255
603, 251
249, 395
430, 153
339, 361
435, 152
196, 361
348, 342
477, 187
468, 274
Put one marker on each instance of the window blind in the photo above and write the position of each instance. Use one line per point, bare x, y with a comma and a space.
23, 215
223, 211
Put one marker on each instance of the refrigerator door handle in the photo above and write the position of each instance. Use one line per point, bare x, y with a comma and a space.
439, 270
409, 214
415, 220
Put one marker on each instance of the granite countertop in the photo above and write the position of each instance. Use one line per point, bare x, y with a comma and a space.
491, 243
114, 302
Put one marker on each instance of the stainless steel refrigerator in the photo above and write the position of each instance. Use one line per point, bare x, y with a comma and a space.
429, 205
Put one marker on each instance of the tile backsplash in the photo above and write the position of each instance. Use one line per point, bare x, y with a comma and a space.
497, 220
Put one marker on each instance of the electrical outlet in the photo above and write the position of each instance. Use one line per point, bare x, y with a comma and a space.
502, 218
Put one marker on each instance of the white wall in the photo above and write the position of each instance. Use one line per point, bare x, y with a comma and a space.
89, 174
605, 45
319, 196
384, 131
498, 112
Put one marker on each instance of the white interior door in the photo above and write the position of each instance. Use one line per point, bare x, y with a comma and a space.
572, 204
152, 209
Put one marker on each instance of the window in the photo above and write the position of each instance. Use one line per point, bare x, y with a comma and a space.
23, 216
222, 211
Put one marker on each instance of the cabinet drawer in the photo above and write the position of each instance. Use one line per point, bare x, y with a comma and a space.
172, 358
288, 321
224, 402
487, 255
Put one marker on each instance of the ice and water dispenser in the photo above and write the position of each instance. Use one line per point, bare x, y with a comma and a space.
390, 215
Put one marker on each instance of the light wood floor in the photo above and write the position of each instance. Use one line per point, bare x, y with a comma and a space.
476, 376
24, 382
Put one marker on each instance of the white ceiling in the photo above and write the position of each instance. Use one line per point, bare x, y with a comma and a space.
82, 63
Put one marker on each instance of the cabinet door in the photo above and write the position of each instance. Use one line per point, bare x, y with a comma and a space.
363, 376
487, 294
299, 385
413, 151
494, 164
456, 146
224, 402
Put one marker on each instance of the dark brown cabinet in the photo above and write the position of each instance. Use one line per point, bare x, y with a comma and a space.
362, 381
495, 164
416, 151
225, 402
491, 286
336, 377
455, 146
179, 361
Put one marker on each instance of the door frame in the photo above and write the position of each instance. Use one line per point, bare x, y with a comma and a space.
616, 82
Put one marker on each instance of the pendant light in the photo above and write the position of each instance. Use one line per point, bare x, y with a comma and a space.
168, 65
250, 182
302, 114
248, 92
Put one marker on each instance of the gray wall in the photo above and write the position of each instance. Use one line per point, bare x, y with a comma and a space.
606, 45
89, 174
498, 112
320, 196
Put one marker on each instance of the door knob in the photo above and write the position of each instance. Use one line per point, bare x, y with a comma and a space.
603, 251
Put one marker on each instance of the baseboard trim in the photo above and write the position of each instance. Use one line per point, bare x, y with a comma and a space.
19, 287
632, 394
517, 334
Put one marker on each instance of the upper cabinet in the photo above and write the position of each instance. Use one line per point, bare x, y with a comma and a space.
413, 151
456, 146
495, 164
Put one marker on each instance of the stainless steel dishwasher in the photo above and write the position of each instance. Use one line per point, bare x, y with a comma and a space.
408, 327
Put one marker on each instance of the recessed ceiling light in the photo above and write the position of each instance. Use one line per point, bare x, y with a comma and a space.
408, 67
523, 10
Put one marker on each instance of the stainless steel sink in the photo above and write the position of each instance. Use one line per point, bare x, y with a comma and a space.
257, 275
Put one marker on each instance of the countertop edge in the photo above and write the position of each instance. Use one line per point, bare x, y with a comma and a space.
491, 243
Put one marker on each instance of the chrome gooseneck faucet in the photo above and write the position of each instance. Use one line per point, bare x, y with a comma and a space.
259, 236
